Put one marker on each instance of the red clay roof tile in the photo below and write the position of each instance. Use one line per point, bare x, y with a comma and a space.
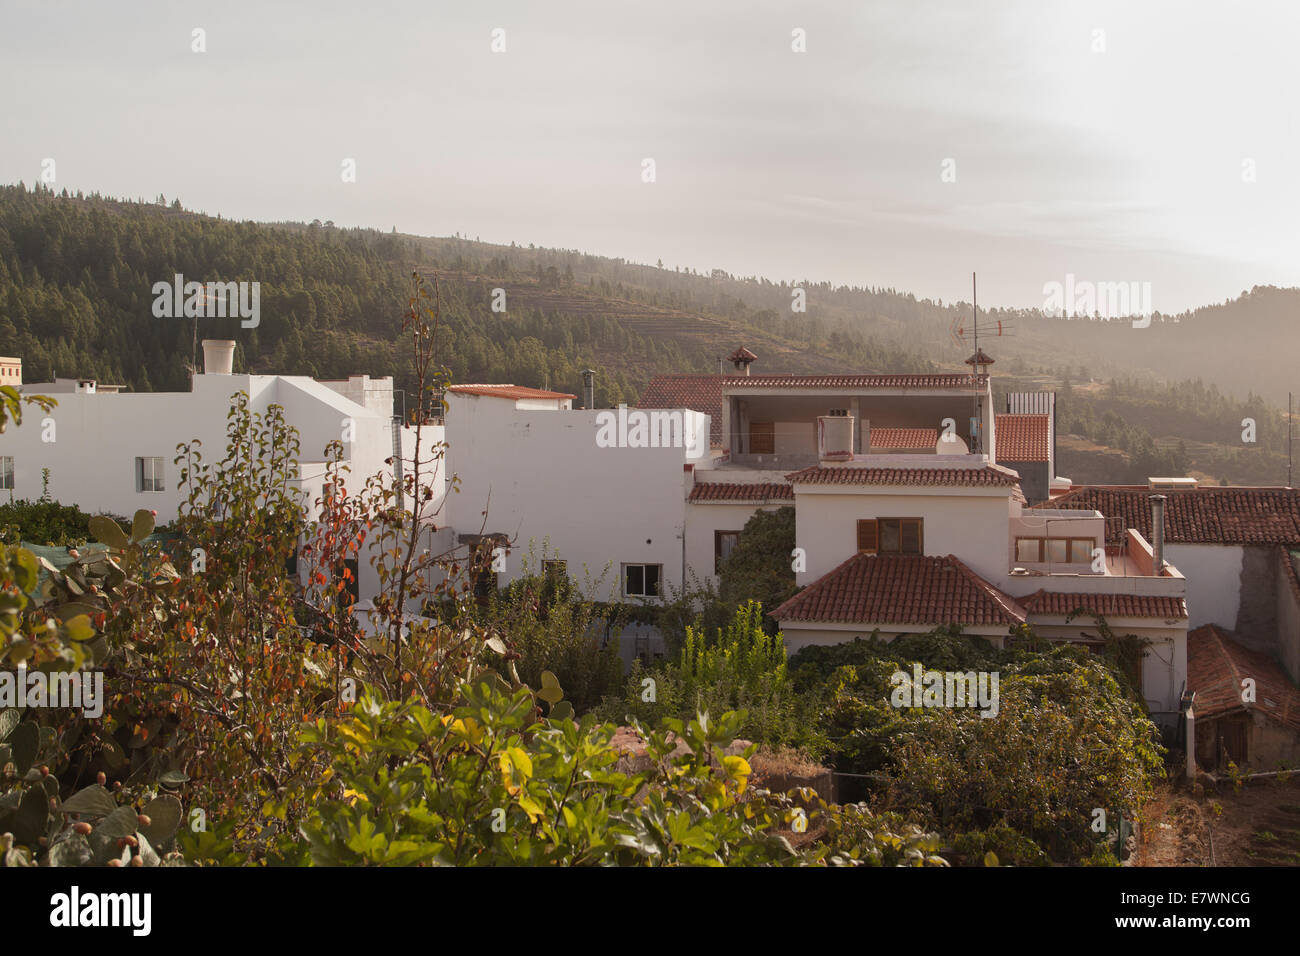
1161, 606
1254, 516
925, 438
1022, 437
1216, 665
507, 391
699, 393
741, 491
943, 380
902, 589
987, 476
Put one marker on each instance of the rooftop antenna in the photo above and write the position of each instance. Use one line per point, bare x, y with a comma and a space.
1289, 435
975, 308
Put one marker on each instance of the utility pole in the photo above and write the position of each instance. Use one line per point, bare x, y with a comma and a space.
1288, 439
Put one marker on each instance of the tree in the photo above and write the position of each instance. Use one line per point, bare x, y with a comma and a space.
759, 568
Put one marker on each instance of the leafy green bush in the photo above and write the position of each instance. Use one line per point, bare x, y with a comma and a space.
491, 785
43, 522
548, 626
1066, 739
759, 567
741, 667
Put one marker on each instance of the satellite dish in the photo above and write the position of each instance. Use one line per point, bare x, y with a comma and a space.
951, 445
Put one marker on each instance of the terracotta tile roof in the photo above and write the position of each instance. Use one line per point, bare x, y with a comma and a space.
699, 393
1252, 516
1165, 607
941, 380
902, 589
1022, 437
741, 491
987, 476
507, 391
1216, 665
926, 438
742, 354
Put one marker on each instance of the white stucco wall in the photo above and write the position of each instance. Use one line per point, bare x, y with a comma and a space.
801, 634
543, 480
99, 436
1164, 668
970, 523
702, 520
1213, 574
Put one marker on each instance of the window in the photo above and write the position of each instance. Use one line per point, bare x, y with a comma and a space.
1054, 550
351, 568
891, 535
7, 472
641, 580
149, 473
724, 542
762, 438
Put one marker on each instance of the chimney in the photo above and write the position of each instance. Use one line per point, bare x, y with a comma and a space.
588, 388
218, 356
741, 358
835, 438
1157, 534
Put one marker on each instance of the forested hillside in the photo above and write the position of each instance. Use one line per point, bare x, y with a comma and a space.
77, 273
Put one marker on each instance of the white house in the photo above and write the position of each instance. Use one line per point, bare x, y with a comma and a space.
114, 451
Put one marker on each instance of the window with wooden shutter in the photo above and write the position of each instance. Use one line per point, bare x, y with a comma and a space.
762, 438
891, 535
910, 535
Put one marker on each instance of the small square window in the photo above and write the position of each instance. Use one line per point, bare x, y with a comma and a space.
724, 542
149, 474
641, 580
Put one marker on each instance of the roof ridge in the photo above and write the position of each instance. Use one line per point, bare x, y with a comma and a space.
1010, 604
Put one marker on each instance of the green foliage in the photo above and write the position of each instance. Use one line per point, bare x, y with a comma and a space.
490, 785
854, 830
741, 667
90, 827
43, 522
759, 567
548, 626
1066, 739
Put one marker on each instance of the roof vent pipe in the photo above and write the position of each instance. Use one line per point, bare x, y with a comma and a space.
1157, 534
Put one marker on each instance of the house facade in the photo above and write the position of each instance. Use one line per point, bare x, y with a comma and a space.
114, 451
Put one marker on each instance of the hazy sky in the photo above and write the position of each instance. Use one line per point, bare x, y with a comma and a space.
1122, 163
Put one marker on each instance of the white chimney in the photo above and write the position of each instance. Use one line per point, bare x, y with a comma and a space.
1157, 533
835, 437
218, 356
